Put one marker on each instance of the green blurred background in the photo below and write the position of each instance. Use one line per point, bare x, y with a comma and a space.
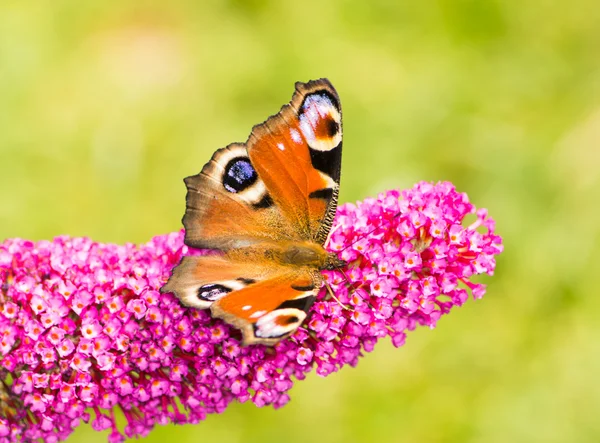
106, 106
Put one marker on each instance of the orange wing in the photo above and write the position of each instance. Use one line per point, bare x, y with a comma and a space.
297, 153
266, 301
270, 310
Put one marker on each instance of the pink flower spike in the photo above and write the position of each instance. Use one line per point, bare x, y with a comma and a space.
83, 326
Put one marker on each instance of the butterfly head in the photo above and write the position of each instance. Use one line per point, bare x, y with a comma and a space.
333, 262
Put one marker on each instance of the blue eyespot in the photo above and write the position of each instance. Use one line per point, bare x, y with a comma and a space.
212, 292
239, 174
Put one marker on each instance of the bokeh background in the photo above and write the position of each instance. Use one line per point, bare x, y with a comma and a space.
106, 106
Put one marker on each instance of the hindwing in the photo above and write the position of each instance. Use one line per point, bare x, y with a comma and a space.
267, 302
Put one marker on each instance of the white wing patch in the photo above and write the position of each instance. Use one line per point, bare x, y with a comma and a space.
279, 323
316, 109
295, 135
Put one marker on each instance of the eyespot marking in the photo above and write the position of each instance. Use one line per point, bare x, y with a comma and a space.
239, 175
279, 323
212, 292
320, 121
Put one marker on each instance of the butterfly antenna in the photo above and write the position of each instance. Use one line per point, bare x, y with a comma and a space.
350, 285
345, 276
335, 298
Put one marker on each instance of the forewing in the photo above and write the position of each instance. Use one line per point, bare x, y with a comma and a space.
297, 154
228, 206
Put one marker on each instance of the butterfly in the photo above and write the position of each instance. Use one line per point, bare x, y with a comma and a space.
265, 207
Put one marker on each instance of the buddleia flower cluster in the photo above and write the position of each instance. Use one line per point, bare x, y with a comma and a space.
85, 333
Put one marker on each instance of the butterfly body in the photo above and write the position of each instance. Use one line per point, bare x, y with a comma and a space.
265, 207
294, 254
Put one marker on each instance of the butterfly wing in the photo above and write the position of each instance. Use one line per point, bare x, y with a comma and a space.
228, 206
266, 301
282, 184
297, 153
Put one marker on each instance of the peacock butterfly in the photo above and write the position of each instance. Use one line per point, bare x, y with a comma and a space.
266, 206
